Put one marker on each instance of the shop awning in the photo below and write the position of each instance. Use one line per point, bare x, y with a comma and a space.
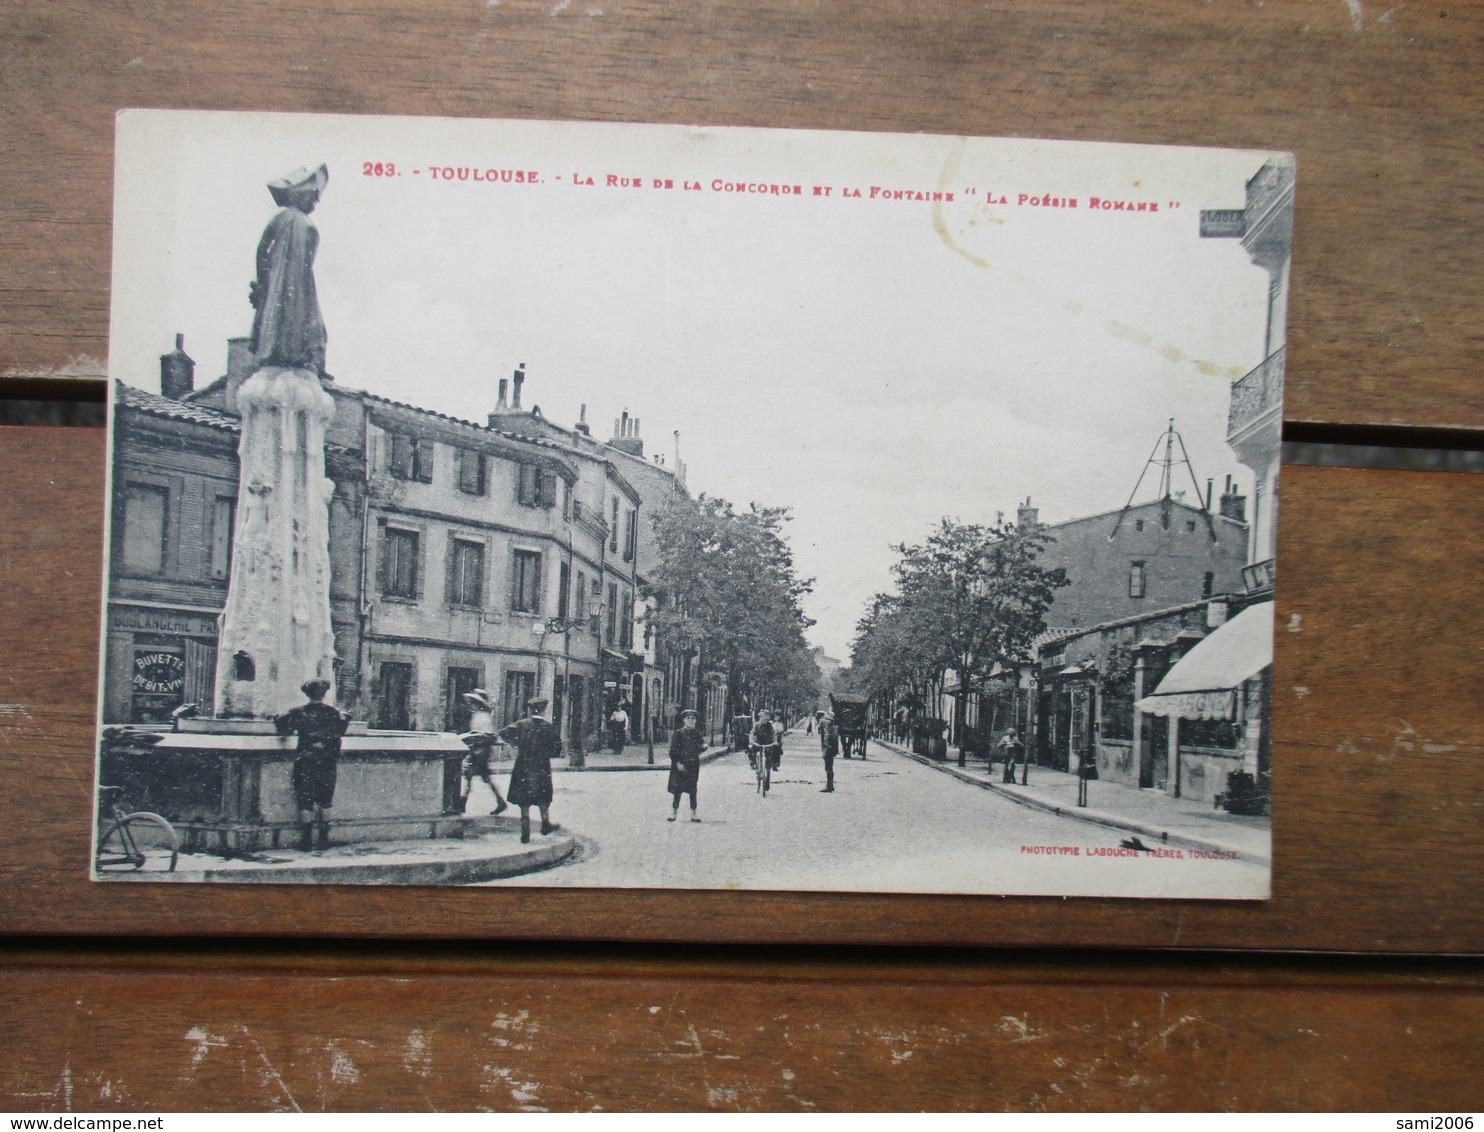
1202, 684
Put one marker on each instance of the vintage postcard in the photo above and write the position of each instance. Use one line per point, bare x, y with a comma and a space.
600, 506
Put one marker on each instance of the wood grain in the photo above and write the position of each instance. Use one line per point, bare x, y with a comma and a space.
1380, 103
1379, 760
528, 1034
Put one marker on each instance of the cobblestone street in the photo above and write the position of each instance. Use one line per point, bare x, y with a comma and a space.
892, 825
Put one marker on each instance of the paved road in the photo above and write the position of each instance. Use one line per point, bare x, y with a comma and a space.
892, 825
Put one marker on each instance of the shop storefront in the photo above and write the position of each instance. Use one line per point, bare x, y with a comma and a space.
158, 659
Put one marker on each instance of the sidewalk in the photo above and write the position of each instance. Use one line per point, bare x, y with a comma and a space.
1152, 815
635, 757
490, 849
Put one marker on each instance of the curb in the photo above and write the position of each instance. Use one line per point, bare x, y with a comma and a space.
465, 870
1090, 816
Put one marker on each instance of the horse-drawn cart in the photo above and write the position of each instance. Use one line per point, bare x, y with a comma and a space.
851, 715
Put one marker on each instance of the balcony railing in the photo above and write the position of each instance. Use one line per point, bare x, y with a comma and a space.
1260, 575
1257, 393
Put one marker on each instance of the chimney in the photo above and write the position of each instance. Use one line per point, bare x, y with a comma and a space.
626, 436
520, 379
1026, 515
240, 364
500, 405
1233, 505
177, 371
581, 425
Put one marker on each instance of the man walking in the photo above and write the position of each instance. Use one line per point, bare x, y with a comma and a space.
686, 746
319, 728
829, 740
536, 743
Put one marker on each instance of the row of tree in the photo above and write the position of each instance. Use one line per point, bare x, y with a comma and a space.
727, 594
969, 603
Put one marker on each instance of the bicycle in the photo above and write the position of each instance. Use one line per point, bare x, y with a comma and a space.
132, 838
762, 766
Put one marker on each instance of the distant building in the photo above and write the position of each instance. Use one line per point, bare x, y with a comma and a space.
1148, 556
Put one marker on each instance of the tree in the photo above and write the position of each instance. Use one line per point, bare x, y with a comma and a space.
971, 599
730, 597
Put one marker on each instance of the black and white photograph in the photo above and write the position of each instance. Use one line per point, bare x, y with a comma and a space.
521, 503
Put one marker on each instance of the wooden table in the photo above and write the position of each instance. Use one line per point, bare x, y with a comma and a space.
1354, 987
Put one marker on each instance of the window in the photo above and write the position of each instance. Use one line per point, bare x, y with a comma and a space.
626, 626
394, 697
466, 573
630, 534
412, 457
613, 528
1136, 580
579, 597
399, 564
456, 708
471, 472
564, 591
525, 589
536, 487
519, 687
145, 528
1190, 524
1138, 524
612, 632
223, 520
1207, 583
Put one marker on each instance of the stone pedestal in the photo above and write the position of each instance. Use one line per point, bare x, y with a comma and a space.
276, 631
226, 785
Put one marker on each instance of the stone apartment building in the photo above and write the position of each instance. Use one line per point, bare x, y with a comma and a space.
463, 555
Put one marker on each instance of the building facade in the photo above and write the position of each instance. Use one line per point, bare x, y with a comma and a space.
498, 555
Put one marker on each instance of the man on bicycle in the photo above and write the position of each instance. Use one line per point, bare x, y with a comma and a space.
766, 740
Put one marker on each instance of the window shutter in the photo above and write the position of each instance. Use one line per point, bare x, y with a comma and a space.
548, 489
424, 460
381, 559
536, 602
401, 455
451, 572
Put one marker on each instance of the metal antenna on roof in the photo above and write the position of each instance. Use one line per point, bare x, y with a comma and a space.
1167, 465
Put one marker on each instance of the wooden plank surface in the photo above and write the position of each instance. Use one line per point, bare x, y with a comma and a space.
1378, 763
506, 1034
1379, 101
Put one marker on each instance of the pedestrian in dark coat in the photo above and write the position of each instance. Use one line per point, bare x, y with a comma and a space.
829, 736
536, 743
316, 764
686, 746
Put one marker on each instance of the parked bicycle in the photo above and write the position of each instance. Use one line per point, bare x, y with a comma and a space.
127, 839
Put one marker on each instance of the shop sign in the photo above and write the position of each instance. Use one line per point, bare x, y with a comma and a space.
161, 621
158, 673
